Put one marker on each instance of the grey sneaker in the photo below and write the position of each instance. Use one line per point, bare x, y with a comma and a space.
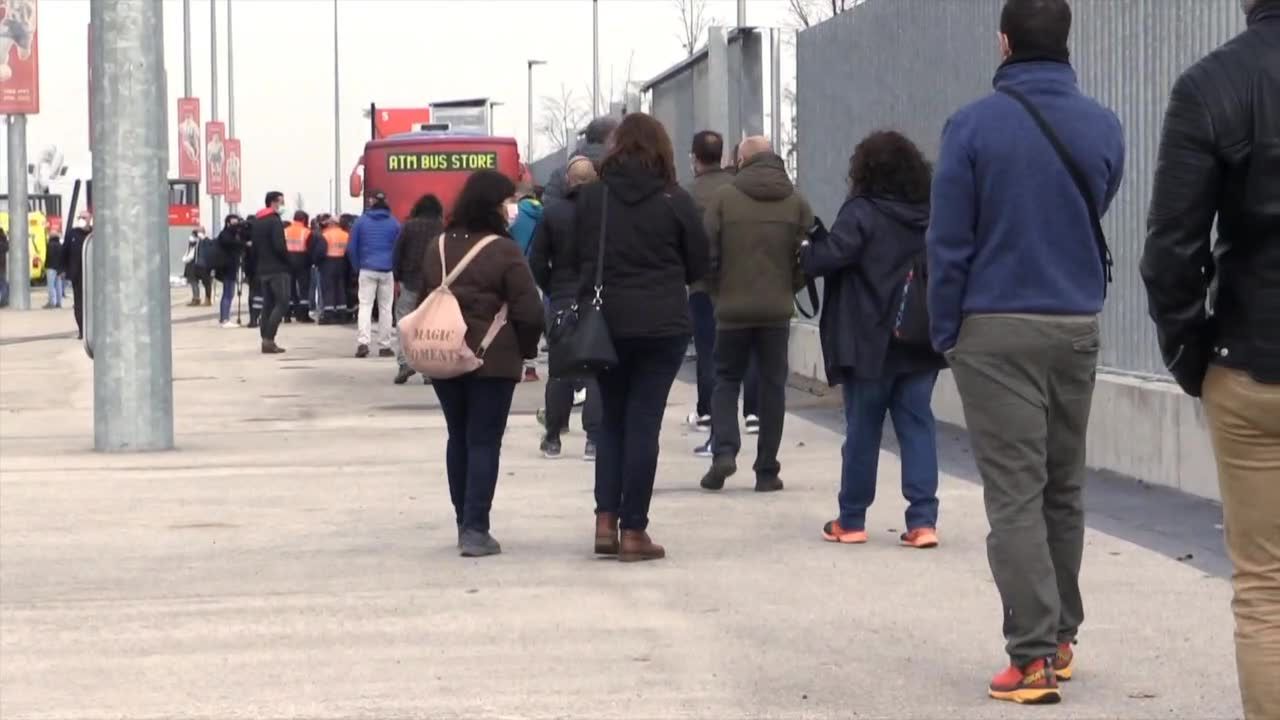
475, 543
550, 447
589, 452
705, 450
752, 424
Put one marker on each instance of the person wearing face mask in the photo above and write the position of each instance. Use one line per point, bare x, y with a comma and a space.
266, 232
523, 217
72, 251
372, 249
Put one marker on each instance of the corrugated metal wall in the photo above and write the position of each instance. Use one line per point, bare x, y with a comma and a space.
908, 64
543, 167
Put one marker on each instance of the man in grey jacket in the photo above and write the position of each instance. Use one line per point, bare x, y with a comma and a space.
595, 143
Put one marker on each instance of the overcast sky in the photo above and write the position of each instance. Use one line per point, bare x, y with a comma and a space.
393, 52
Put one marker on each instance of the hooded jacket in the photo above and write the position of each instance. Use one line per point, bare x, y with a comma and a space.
655, 246
266, 232
373, 241
755, 225
528, 216
863, 260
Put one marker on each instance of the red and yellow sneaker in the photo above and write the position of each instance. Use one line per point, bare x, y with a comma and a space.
832, 532
1034, 684
1064, 662
921, 537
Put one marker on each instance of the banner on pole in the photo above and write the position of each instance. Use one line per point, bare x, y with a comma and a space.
19, 58
215, 134
233, 170
189, 139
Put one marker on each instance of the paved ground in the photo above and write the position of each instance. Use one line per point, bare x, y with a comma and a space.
294, 558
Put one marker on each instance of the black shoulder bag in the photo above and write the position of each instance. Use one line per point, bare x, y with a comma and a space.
581, 345
1077, 175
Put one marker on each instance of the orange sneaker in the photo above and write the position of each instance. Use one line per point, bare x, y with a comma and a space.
921, 537
1064, 662
832, 532
1034, 684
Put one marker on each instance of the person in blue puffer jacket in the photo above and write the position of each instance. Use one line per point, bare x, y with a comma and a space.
523, 221
371, 250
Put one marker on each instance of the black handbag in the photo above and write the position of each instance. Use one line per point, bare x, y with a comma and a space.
581, 344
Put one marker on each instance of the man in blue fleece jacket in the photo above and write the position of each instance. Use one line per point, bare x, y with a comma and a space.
371, 250
1017, 277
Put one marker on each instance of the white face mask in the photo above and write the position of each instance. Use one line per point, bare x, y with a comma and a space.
82, 223
280, 211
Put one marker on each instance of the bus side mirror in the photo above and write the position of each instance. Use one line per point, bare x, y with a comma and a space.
357, 184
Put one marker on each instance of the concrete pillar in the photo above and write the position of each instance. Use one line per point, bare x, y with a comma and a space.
130, 301
19, 242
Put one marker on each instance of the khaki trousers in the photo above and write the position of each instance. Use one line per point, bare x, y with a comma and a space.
1244, 422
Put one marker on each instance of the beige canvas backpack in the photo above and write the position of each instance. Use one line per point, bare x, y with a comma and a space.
434, 336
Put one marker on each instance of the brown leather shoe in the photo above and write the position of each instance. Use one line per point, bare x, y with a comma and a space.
607, 533
637, 546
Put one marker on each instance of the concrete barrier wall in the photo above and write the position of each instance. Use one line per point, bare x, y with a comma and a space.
1144, 429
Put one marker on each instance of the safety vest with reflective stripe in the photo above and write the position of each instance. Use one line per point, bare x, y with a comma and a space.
335, 242
295, 237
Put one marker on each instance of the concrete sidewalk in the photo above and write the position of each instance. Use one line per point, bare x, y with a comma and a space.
294, 558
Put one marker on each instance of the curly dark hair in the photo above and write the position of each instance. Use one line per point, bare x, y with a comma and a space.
887, 164
428, 206
478, 208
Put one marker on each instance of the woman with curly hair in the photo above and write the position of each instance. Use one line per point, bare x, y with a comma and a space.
875, 242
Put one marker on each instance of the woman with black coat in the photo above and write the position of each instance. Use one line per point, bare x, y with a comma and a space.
876, 240
655, 246
230, 245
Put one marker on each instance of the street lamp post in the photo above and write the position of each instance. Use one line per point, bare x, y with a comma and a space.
595, 58
337, 122
528, 143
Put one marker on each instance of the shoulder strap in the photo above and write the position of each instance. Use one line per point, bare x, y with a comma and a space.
604, 224
1077, 176
499, 321
466, 259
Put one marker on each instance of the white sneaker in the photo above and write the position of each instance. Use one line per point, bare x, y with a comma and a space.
230, 324
753, 425
701, 423
579, 397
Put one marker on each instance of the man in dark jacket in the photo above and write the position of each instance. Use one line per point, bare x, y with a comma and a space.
371, 250
230, 245
595, 142
1014, 259
73, 254
1217, 308
266, 233
755, 226
425, 223
552, 261
708, 177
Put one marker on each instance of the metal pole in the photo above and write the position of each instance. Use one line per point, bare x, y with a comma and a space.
186, 48
775, 106
213, 90
337, 122
742, 13
19, 248
528, 139
133, 355
231, 103
595, 58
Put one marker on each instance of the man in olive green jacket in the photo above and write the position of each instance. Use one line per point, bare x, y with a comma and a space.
755, 225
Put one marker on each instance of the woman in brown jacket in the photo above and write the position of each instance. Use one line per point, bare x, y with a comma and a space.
476, 405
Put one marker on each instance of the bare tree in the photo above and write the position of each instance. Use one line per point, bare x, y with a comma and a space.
694, 22
807, 13
561, 117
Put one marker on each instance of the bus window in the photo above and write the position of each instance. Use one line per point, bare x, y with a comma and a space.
182, 192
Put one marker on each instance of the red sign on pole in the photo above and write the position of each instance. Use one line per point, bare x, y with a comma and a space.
392, 121
215, 134
233, 170
19, 58
189, 139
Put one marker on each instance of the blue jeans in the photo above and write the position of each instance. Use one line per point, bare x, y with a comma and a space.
908, 400
54, 280
228, 294
475, 411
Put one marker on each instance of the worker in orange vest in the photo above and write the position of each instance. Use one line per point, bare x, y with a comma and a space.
333, 272
298, 240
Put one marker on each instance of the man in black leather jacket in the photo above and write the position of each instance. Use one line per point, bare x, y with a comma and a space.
1217, 308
